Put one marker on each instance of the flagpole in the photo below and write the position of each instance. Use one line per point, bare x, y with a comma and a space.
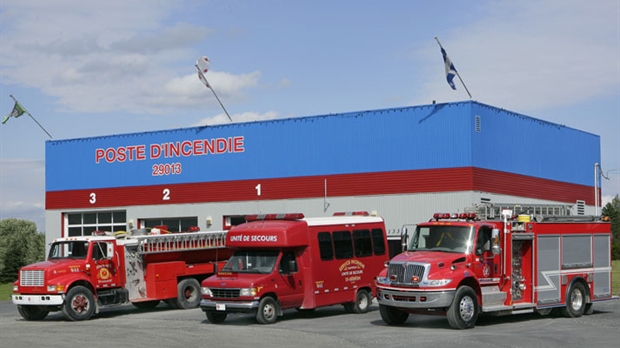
212, 90
456, 71
32, 117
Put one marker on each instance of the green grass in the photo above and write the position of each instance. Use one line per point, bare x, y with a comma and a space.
7, 289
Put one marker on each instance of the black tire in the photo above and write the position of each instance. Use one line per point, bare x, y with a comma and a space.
575, 301
392, 315
267, 311
463, 312
189, 295
216, 317
32, 312
146, 304
589, 310
79, 304
362, 302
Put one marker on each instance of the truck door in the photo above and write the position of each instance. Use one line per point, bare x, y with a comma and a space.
104, 268
291, 295
487, 265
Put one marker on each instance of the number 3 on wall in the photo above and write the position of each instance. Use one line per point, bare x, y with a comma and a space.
93, 198
166, 193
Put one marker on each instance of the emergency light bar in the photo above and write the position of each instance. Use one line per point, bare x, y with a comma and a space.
351, 213
465, 216
256, 217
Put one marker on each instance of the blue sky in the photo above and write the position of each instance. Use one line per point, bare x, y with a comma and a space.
85, 68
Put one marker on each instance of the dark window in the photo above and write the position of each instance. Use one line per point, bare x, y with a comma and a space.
343, 244
172, 225
326, 248
83, 224
378, 242
362, 243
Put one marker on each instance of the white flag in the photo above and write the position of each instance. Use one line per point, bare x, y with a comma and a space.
202, 64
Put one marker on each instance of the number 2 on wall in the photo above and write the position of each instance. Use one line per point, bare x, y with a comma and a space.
166, 193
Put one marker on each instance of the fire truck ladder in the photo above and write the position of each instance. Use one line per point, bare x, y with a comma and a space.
181, 242
491, 211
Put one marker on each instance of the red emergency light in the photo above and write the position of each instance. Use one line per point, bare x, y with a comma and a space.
462, 216
291, 216
351, 213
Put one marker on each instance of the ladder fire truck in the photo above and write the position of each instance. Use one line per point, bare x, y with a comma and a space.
83, 274
499, 259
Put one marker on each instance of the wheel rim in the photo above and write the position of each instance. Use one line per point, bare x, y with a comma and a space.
80, 304
466, 308
576, 299
362, 303
190, 293
269, 311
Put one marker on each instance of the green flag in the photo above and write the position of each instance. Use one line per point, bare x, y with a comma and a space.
18, 110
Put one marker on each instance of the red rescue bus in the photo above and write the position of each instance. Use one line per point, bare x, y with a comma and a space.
288, 261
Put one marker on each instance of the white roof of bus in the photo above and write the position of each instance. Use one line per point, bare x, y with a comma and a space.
341, 220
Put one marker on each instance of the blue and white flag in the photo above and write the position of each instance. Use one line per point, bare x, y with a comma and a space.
450, 69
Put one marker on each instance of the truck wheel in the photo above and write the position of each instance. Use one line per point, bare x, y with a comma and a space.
146, 304
575, 301
392, 315
188, 293
362, 302
172, 302
463, 312
79, 304
267, 311
32, 312
216, 317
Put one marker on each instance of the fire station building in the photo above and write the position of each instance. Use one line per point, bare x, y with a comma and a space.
403, 164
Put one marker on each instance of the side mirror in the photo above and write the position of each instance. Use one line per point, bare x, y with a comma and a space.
495, 247
292, 266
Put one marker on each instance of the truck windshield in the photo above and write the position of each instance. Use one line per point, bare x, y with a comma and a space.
252, 261
69, 249
442, 238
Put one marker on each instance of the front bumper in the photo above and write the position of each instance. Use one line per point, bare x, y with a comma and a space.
38, 300
229, 306
415, 299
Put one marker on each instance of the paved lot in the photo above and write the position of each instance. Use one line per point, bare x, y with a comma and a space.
327, 327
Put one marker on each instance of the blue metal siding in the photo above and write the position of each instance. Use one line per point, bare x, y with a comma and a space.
408, 138
368, 141
520, 144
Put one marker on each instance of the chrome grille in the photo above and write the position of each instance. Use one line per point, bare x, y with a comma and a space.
31, 278
403, 272
225, 293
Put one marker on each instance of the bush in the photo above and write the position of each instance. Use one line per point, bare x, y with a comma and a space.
20, 245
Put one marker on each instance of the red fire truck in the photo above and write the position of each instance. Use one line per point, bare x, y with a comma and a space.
83, 274
463, 265
288, 261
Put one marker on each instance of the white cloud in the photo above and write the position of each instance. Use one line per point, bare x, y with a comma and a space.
242, 117
108, 57
22, 190
525, 58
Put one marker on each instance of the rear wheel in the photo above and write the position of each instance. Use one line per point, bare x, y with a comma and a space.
463, 312
217, 317
575, 301
392, 315
362, 302
32, 312
188, 294
79, 304
267, 311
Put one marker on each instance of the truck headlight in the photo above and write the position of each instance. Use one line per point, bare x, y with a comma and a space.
55, 288
206, 291
437, 282
15, 288
383, 280
247, 292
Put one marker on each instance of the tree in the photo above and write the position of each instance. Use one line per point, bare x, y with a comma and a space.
612, 210
20, 245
